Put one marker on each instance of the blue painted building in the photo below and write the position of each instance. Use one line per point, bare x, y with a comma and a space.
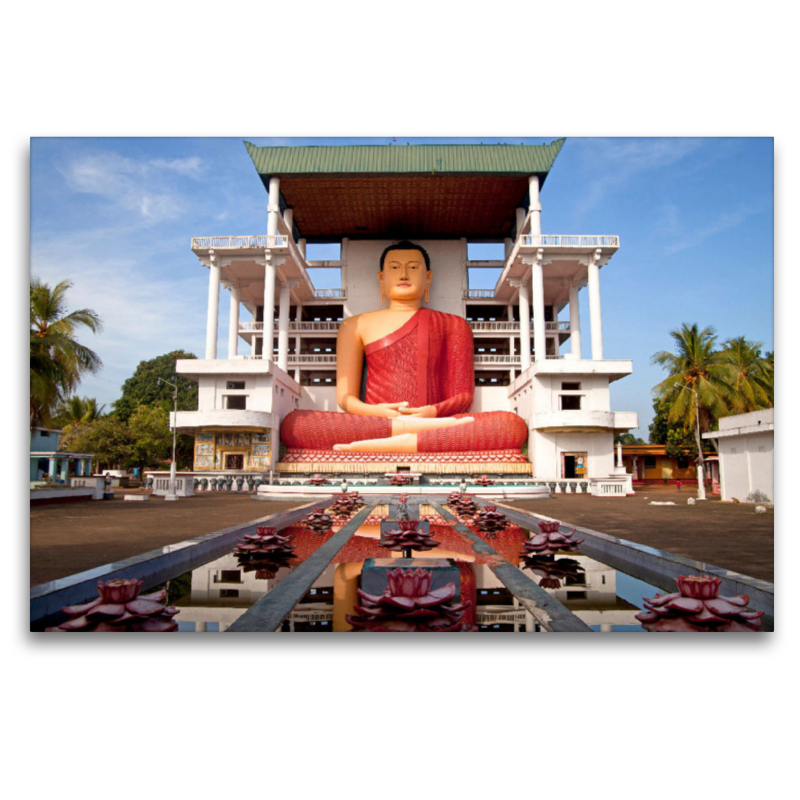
47, 463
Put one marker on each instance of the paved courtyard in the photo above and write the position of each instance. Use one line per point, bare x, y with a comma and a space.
66, 539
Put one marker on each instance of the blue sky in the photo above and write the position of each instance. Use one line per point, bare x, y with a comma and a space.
694, 216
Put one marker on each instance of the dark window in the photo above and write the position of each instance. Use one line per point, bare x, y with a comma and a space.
228, 592
570, 402
570, 387
649, 462
683, 462
235, 385
236, 401
228, 576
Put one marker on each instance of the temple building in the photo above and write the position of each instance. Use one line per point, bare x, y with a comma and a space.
530, 355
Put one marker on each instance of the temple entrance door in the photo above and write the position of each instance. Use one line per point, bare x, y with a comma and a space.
234, 461
573, 465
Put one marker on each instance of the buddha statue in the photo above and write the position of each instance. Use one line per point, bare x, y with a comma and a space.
404, 377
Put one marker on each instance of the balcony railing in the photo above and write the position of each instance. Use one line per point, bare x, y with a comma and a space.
554, 240
238, 242
500, 327
472, 294
311, 358
330, 294
483, 359
562, 327
294, 327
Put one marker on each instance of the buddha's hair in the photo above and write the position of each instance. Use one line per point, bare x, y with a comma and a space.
405, 245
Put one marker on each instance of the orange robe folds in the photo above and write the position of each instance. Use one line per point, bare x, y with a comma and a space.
428, 361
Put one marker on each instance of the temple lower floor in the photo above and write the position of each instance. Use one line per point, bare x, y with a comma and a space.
236, 450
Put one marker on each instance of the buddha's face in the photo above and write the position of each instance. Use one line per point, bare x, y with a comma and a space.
404, 275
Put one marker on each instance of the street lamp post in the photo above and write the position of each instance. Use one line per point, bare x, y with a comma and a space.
172, 495
701, 485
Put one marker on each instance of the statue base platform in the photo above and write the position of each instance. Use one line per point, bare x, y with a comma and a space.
483, 461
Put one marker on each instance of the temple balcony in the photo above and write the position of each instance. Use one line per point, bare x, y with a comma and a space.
585, 421
190, 421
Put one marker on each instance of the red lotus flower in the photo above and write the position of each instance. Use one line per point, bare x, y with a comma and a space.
399, 480
403, 498
462, 504
408, 535
318, 521
408, 606
120, 608
484, 481
490, 521
317, 480
265, 541
553, 571
697, 607
549, 541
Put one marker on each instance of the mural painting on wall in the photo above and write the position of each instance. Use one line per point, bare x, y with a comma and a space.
211, 450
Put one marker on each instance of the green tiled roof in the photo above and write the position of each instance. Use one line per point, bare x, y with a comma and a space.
422, 159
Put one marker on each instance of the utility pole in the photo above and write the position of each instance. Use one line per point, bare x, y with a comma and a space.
172, 495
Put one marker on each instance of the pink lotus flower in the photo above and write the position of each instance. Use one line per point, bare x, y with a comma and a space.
264, 551
120, 609
697, 607
317, 480
408, 536
484, 480
399, 480
409, 606
550, 541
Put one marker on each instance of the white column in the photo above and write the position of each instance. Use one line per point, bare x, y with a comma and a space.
274, 206
509, 246
574, 320
524, 322
539, 328
535, 206
233, 325
288, 217
283, 327
301, 246
619, 454
212, 320
596, 321
520, 219
269, 309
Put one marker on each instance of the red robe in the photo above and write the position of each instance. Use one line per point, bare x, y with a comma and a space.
427, 361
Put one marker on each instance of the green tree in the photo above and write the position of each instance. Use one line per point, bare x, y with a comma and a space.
151, 437
752, 375
627, 438
699, 386
57, 358
144, 388
107, 437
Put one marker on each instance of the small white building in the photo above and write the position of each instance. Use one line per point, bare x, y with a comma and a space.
746, 444
529, 355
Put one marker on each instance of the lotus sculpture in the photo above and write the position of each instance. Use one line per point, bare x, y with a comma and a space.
318, 480
264, 551
343, 505
553, 571
409, 606
318, 521
484, 480
463, 505
399, 480
697, 607
490, 521
120, 608
550, 541
408, 536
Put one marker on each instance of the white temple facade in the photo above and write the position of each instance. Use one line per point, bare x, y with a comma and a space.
530, 354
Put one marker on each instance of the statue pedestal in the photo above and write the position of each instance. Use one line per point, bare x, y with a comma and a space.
443, 571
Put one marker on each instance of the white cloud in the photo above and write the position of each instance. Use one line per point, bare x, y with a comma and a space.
145, 186
725, 221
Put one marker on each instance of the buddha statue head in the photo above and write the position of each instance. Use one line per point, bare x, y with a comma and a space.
405, 273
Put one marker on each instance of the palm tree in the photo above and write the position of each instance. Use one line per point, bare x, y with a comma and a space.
57, 358
78, 411
753, 376
699, 385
